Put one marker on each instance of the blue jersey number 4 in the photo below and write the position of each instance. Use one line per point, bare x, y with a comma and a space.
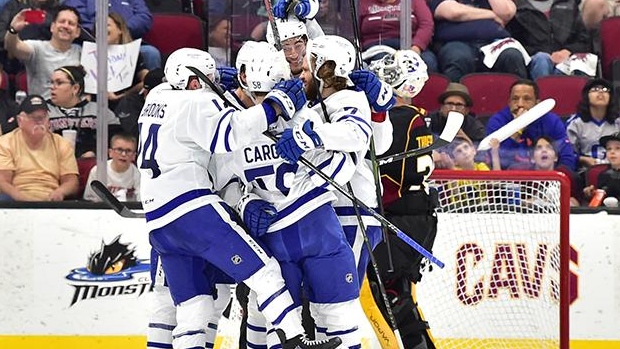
149, 148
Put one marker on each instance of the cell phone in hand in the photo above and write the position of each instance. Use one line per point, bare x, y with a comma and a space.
35, 16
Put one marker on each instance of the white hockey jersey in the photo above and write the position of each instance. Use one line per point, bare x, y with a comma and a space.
293, 189
349, 129
179, 130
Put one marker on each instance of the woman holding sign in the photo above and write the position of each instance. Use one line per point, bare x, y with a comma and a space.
72, 115
118, 34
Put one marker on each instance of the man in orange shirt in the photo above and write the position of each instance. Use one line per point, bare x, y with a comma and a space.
35, 164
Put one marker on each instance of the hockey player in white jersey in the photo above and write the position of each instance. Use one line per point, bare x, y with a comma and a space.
182, 123
289, 210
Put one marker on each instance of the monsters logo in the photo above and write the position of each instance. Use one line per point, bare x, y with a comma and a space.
113, 270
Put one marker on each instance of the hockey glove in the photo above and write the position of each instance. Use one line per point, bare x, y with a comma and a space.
257, 214
379, 94
228, 78
289, 96
279, 10
295, 141
306, 8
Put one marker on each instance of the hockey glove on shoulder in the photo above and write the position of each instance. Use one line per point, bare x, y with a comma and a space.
228, 78
257, 214
279, 10
295, 141
289, 95
379, 94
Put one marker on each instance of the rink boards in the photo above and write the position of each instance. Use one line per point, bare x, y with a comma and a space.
47, 299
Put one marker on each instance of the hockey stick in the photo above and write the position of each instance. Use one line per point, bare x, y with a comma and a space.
375, 268
272, 23
409, 241
104, 194
453, 125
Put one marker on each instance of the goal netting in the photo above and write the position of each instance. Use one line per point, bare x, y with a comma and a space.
503, 236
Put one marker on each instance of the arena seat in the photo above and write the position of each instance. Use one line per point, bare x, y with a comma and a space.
592, 174
565, 89
610, 50
84, 167
172, 31
489, 91
4, 84
21, 81
435, 86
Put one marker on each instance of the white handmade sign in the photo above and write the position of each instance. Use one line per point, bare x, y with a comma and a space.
122, 60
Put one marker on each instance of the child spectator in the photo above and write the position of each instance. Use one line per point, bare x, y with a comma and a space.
545, 158
35, 164
609, 180
69, 110
464, 155
597, 116
123, 175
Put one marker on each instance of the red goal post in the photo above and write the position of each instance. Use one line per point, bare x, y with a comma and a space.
504, 237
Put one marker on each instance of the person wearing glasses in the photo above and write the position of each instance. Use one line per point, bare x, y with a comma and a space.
123, 175
69, 110
597, 116
35, 164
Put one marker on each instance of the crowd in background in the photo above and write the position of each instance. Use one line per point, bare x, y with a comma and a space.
527, 38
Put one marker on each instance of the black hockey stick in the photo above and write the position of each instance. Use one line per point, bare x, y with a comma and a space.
272, 23
104, 194
375, 268
453, 125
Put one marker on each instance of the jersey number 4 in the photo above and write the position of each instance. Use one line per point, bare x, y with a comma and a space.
146, 151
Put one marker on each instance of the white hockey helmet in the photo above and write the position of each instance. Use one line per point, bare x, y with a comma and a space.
288, 28
176, 71
266, 70
404, 70
248, 51
332, 48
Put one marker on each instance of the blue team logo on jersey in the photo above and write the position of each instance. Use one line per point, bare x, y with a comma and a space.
113, 270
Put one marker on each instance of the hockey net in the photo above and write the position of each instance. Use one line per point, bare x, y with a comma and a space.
503, 236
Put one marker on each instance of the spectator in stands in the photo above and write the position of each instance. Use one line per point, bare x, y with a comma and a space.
545, 158
8, 109
135, 13
219, 40
70, 110
41, 57
462, 27
515, 149
594, 11
34, 31
330, 19
550, 31
609, 180
129, 107
118, 34
123, 176
456, 98
463, 153
379, 22
35, 164
597, 116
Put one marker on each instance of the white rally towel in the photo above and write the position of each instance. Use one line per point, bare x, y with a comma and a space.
492, 51
584, 62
